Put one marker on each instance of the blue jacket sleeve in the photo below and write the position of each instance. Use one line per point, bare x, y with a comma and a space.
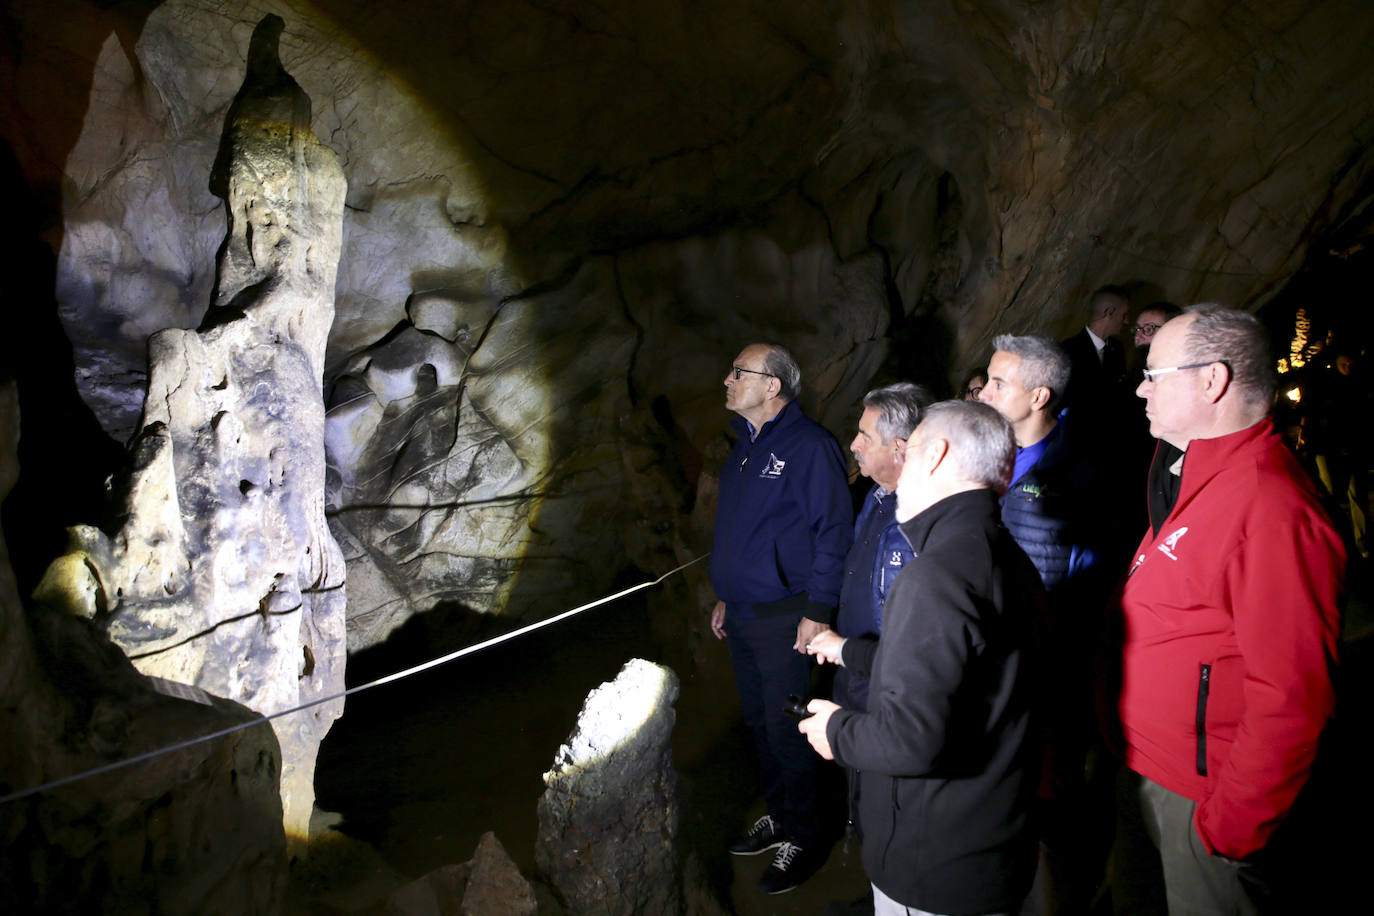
830, 516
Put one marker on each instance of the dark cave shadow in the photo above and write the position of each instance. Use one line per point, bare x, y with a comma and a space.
464, 744
65, 455
421, 768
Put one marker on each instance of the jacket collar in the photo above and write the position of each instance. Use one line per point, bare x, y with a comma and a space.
971, 508
790, 411
1205, 457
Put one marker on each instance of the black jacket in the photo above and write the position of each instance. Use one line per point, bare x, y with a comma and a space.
947, 756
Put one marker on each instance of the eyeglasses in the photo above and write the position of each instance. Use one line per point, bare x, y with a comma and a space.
1146, 330
739, 369
972, 392
1153, 374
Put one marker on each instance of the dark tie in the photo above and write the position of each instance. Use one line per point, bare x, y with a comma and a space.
1113, 361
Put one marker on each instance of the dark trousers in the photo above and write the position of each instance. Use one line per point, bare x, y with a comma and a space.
767, 669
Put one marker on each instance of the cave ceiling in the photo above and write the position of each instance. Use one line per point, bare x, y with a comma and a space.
563, 218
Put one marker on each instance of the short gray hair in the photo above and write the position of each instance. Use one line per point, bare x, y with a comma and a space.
980, 440
1220, 334
1043, 363
899, 408
782, 365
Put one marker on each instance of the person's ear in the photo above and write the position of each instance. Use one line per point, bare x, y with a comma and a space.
1216, 381
1040, 397
936, 452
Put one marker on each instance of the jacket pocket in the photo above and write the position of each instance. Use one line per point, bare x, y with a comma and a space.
1204, 685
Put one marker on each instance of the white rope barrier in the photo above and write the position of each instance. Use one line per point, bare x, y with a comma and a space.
399, 675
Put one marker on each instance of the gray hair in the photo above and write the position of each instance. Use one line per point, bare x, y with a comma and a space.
1043, 363
899, 408
782, 365
1220, 334
980, 440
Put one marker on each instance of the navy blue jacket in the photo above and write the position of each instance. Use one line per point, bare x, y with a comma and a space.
1047, 510
783, 520
878, 555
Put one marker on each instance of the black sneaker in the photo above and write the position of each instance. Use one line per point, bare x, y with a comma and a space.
763, 836
791, 866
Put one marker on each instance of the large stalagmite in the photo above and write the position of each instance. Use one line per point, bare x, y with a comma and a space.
224, 574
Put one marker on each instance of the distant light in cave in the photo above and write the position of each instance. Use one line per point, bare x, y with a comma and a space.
1293, 394
1297, 347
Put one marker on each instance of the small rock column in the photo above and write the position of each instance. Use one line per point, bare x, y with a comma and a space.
608, 820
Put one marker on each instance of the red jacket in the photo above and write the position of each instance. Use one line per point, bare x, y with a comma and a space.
1231, 621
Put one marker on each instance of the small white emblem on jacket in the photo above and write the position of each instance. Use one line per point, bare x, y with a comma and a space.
774, 467
1171, 542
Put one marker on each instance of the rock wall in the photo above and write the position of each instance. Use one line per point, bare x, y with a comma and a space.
224, 573
562, 220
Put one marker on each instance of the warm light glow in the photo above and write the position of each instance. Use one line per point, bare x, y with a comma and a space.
1297, 348
1293, 394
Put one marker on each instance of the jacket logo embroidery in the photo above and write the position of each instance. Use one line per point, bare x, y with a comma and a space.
774, 466
895, 559
1171, 542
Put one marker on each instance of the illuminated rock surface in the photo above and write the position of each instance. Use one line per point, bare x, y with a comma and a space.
195, 831
608, 818
224, 574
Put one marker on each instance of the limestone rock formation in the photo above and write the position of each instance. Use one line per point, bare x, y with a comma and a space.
224, 574
198, 830
608, 817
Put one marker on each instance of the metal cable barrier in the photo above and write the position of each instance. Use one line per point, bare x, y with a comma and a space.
399, 675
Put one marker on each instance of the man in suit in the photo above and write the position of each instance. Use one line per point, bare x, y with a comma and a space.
1098, 381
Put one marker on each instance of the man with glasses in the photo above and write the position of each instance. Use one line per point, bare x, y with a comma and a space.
1151, 319
1231, 620
784, 523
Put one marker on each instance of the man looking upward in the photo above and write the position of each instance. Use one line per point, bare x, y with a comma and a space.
783, 527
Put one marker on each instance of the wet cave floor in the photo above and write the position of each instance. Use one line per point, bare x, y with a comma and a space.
419, 769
